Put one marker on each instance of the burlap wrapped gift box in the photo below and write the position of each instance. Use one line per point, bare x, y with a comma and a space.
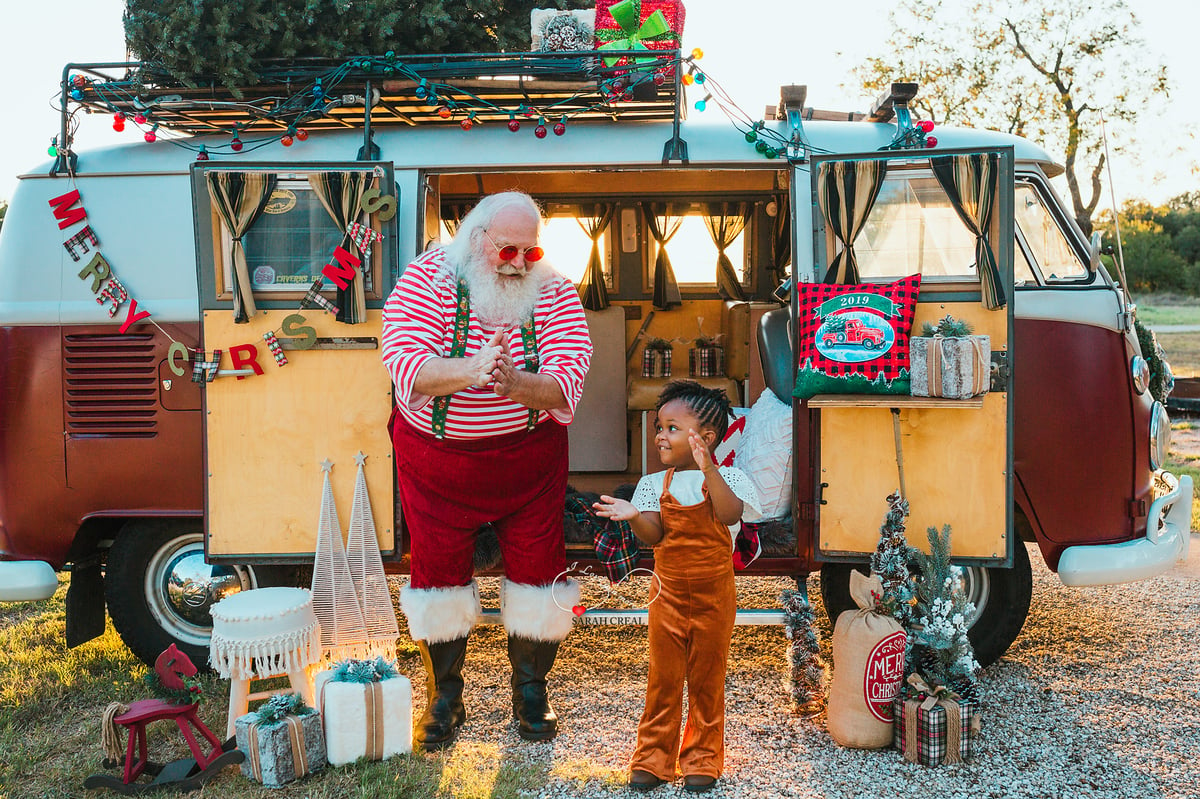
372, 720
279, 753
954, 368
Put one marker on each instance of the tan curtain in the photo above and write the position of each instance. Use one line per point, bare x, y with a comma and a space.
239, 198
341, 193
455, 213
663, 228
593, 292
725, 222
970, 183
781, 241
846, 191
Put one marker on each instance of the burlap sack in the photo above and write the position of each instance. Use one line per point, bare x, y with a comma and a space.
868, 667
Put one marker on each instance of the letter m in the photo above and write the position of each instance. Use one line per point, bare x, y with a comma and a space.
65, 211
343, 273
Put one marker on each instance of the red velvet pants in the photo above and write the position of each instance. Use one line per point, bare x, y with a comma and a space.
450, 488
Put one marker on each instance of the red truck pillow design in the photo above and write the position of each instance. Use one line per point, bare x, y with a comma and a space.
854, 339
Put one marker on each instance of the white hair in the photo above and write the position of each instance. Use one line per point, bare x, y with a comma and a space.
469, 241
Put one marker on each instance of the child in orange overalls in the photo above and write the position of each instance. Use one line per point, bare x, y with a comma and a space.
685, 512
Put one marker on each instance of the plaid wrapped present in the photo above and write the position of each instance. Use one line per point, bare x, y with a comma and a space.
706, 359
656, 358
639, 25
616, 545
932, 726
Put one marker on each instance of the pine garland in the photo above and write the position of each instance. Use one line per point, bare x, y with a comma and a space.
890, 562
947, 327
364, 671
1161, 381
279, 707
808, 670
943, 614
191, 692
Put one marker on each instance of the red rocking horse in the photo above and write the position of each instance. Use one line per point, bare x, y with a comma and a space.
173, 669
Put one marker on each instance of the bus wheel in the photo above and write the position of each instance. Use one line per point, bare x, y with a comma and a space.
160, 591
1001, 598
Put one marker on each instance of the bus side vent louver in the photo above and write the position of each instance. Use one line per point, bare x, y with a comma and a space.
111, 386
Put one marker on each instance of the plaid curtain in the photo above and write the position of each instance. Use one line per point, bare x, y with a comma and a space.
593, 292
846, 191
341, 193
970, 182
239, 198
666, 287
725, 222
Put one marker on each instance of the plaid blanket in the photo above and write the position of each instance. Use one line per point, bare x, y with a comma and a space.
616, 545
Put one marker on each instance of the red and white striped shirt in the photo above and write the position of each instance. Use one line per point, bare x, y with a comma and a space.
418, 324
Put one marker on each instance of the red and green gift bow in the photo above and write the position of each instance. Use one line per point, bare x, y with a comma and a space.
631, 32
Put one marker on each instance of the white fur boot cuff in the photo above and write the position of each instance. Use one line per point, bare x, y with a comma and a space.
436, 615
538, 612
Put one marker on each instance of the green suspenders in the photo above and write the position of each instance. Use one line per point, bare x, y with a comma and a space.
458, 348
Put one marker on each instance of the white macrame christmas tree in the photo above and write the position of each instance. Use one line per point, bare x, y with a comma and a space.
366, 569
335, 600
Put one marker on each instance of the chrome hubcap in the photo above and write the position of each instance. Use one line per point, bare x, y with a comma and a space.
181, 588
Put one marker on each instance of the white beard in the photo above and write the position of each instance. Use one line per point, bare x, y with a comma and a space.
503, 302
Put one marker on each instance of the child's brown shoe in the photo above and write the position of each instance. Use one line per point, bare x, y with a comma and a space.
644, 781
699, 783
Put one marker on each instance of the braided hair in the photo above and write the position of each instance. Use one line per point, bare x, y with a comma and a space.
711, 405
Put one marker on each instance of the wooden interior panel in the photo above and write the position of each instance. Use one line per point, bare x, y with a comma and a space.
266, 435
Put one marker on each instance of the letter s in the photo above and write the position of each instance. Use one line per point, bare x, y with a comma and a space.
293, 325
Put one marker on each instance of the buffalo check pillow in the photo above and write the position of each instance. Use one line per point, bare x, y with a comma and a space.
854, 339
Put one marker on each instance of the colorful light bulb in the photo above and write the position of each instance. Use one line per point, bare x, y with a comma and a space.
285, 140
925, 125
540, 131
560, 128
151, 134
688, 79
202, 155
514, 125
931, 141
444, 111
301, 134
139, 118
697, 53
703, 104
236, 145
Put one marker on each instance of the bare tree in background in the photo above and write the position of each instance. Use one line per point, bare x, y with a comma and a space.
1046, 71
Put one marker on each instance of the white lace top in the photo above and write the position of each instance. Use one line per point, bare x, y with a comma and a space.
688, 487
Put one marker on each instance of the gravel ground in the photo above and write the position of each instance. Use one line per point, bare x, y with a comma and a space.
1098, 697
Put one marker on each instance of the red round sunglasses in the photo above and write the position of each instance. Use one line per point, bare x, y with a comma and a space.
509, 251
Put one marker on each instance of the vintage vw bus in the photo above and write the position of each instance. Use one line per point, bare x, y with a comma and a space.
164, 475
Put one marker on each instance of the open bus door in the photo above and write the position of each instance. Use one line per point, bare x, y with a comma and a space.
951, 457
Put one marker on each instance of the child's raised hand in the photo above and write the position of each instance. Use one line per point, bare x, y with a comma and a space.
699, 450
613, 508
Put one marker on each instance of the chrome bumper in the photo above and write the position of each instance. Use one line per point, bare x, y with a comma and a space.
26, 580
1166, 543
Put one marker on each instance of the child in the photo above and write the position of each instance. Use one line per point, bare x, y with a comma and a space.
686, 511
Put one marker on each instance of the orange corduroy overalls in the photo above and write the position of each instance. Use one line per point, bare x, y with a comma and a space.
691, 623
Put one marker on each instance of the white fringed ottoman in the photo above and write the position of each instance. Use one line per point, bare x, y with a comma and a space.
262, 633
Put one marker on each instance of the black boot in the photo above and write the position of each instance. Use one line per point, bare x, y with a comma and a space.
444, 712
531, 662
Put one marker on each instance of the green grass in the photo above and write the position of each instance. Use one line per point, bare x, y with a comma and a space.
1168, 309
52, 699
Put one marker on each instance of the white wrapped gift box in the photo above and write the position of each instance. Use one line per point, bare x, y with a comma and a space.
372, 720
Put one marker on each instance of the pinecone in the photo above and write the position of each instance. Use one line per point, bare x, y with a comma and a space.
967, 689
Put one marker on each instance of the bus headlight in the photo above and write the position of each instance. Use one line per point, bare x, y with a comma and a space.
1139, 367
1160, 436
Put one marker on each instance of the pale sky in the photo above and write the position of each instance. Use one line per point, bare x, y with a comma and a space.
751, 48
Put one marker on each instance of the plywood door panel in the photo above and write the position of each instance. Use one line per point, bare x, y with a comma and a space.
266, 435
